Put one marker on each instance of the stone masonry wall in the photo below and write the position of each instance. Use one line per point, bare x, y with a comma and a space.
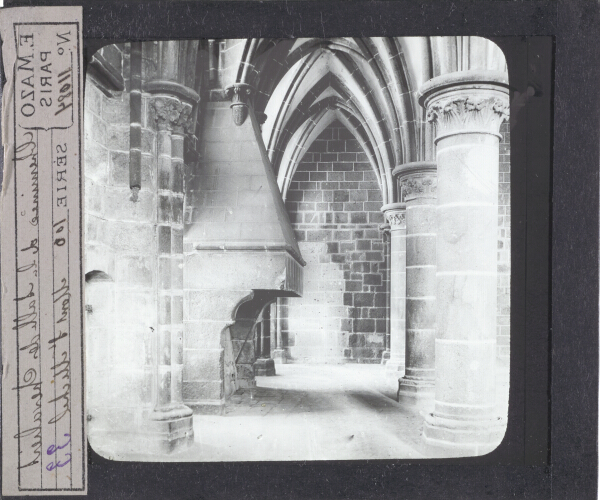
334, 203
503, 334
121, 242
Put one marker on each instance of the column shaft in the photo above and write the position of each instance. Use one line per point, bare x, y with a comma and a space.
163, 228
385, 229
395, 214
169, 233
264, 364
417, 185
279, 352
467, 109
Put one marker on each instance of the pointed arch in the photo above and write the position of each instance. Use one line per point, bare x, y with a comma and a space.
370, 84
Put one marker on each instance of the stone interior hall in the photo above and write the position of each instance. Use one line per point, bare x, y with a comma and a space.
297, 249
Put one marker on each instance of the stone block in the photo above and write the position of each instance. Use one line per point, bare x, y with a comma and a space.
245, 374
364, 325
94, 198
96, 159
381, 326
420, 313
462, 175
363, 299
118, 205
203, 334
116, 110
93, 100
203, 364
210, 305
466, 307
355, 177
420, 249
201, 391
94, 129
318, 176
177, 272
264, 367
376, 218
136, 270
421, 281
363, 245
358, 217
466, 238
467, 378
117, 137
148, 143
129, 237
119, 168
319, 235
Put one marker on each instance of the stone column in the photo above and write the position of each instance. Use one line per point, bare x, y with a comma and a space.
277, 349
264, 364
385, 230
395, 213
171, 116
417, 185
467, 109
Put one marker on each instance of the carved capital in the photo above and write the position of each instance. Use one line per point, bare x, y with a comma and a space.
473, 113
239, 94
396, 219
416, 180
172, 114
466, 102
395, 214
418, 187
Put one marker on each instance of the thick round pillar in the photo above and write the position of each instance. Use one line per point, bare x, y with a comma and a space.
395, 214
417, 184
467, 109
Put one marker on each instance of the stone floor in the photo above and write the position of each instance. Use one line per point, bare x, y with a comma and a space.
314, 412
311, 412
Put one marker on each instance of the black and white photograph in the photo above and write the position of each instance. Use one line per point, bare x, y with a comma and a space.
297, 249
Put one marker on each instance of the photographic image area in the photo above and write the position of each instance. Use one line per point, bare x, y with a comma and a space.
297, 249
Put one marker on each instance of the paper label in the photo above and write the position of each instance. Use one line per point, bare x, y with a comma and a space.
43, 417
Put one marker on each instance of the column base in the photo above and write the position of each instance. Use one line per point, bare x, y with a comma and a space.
246, 384
170, 412
169, 429
280, 356
209, 407
395, 366
264, 367
416, 392
385, 357
445, 437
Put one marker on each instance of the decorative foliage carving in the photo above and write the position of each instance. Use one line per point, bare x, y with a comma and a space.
239, 93
396, 218
414, 187
477, 113
172, 114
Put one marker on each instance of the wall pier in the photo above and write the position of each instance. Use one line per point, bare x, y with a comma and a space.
170, 417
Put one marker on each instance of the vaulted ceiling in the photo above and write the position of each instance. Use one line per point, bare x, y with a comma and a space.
368, 84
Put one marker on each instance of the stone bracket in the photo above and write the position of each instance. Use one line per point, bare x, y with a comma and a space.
239, 94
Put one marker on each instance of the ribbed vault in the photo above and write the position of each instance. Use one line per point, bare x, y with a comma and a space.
369, 84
